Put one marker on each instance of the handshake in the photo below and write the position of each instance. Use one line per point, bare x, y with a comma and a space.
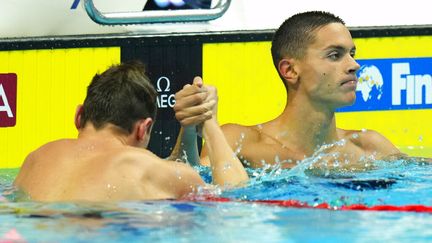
196, 104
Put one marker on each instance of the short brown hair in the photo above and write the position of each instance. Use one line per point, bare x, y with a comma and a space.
296, 34
121, 95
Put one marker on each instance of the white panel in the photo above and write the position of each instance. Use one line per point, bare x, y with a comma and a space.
35, 18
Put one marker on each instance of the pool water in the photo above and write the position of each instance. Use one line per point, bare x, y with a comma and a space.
241, 219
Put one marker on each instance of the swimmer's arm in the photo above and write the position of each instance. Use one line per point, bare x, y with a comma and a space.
227, 170
193, 106
186, 147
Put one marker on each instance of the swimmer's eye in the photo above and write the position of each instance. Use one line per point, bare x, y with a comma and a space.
334, 55
353, 53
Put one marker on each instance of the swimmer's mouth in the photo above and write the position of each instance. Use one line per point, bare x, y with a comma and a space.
350, 81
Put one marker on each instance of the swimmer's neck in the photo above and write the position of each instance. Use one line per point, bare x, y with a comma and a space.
109, 133
309, 127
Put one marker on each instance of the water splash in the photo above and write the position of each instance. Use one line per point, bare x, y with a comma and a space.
239, 144
318, 156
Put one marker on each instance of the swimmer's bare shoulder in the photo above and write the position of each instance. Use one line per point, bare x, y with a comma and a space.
38, 157
103, 174
235, 133
372, 142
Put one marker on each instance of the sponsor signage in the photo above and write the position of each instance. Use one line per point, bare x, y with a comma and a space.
393, 84
8, 94
170, 67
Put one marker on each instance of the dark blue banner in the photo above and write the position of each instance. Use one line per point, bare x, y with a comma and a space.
393, 84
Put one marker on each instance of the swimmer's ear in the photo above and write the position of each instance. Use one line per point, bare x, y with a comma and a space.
78, 113
144, 129
288, 71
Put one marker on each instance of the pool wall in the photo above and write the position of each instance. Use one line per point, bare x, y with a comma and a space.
43, 79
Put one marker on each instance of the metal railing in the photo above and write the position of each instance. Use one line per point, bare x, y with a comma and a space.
155, 16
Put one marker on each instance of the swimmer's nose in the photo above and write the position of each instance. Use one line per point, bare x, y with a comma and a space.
354, 66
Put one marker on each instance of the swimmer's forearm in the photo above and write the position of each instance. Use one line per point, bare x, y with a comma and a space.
186, 148
227, 170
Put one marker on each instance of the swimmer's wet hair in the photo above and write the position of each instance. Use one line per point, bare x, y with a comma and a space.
297, 32
121, 95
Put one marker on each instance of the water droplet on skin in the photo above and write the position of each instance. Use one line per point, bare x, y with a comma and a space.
183, 157
178, 174
355, 135
282, 134
336, 164
325, 163
340, 143
242, 135
364, 130
260, 126
227, 166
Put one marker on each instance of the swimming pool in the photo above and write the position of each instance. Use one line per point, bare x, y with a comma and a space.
242, 219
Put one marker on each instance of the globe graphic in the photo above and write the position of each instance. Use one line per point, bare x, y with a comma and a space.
370, 82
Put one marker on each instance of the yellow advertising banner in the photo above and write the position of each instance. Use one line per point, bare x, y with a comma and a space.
49, 86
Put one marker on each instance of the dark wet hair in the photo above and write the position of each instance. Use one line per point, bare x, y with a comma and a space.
297, 33
121, 96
